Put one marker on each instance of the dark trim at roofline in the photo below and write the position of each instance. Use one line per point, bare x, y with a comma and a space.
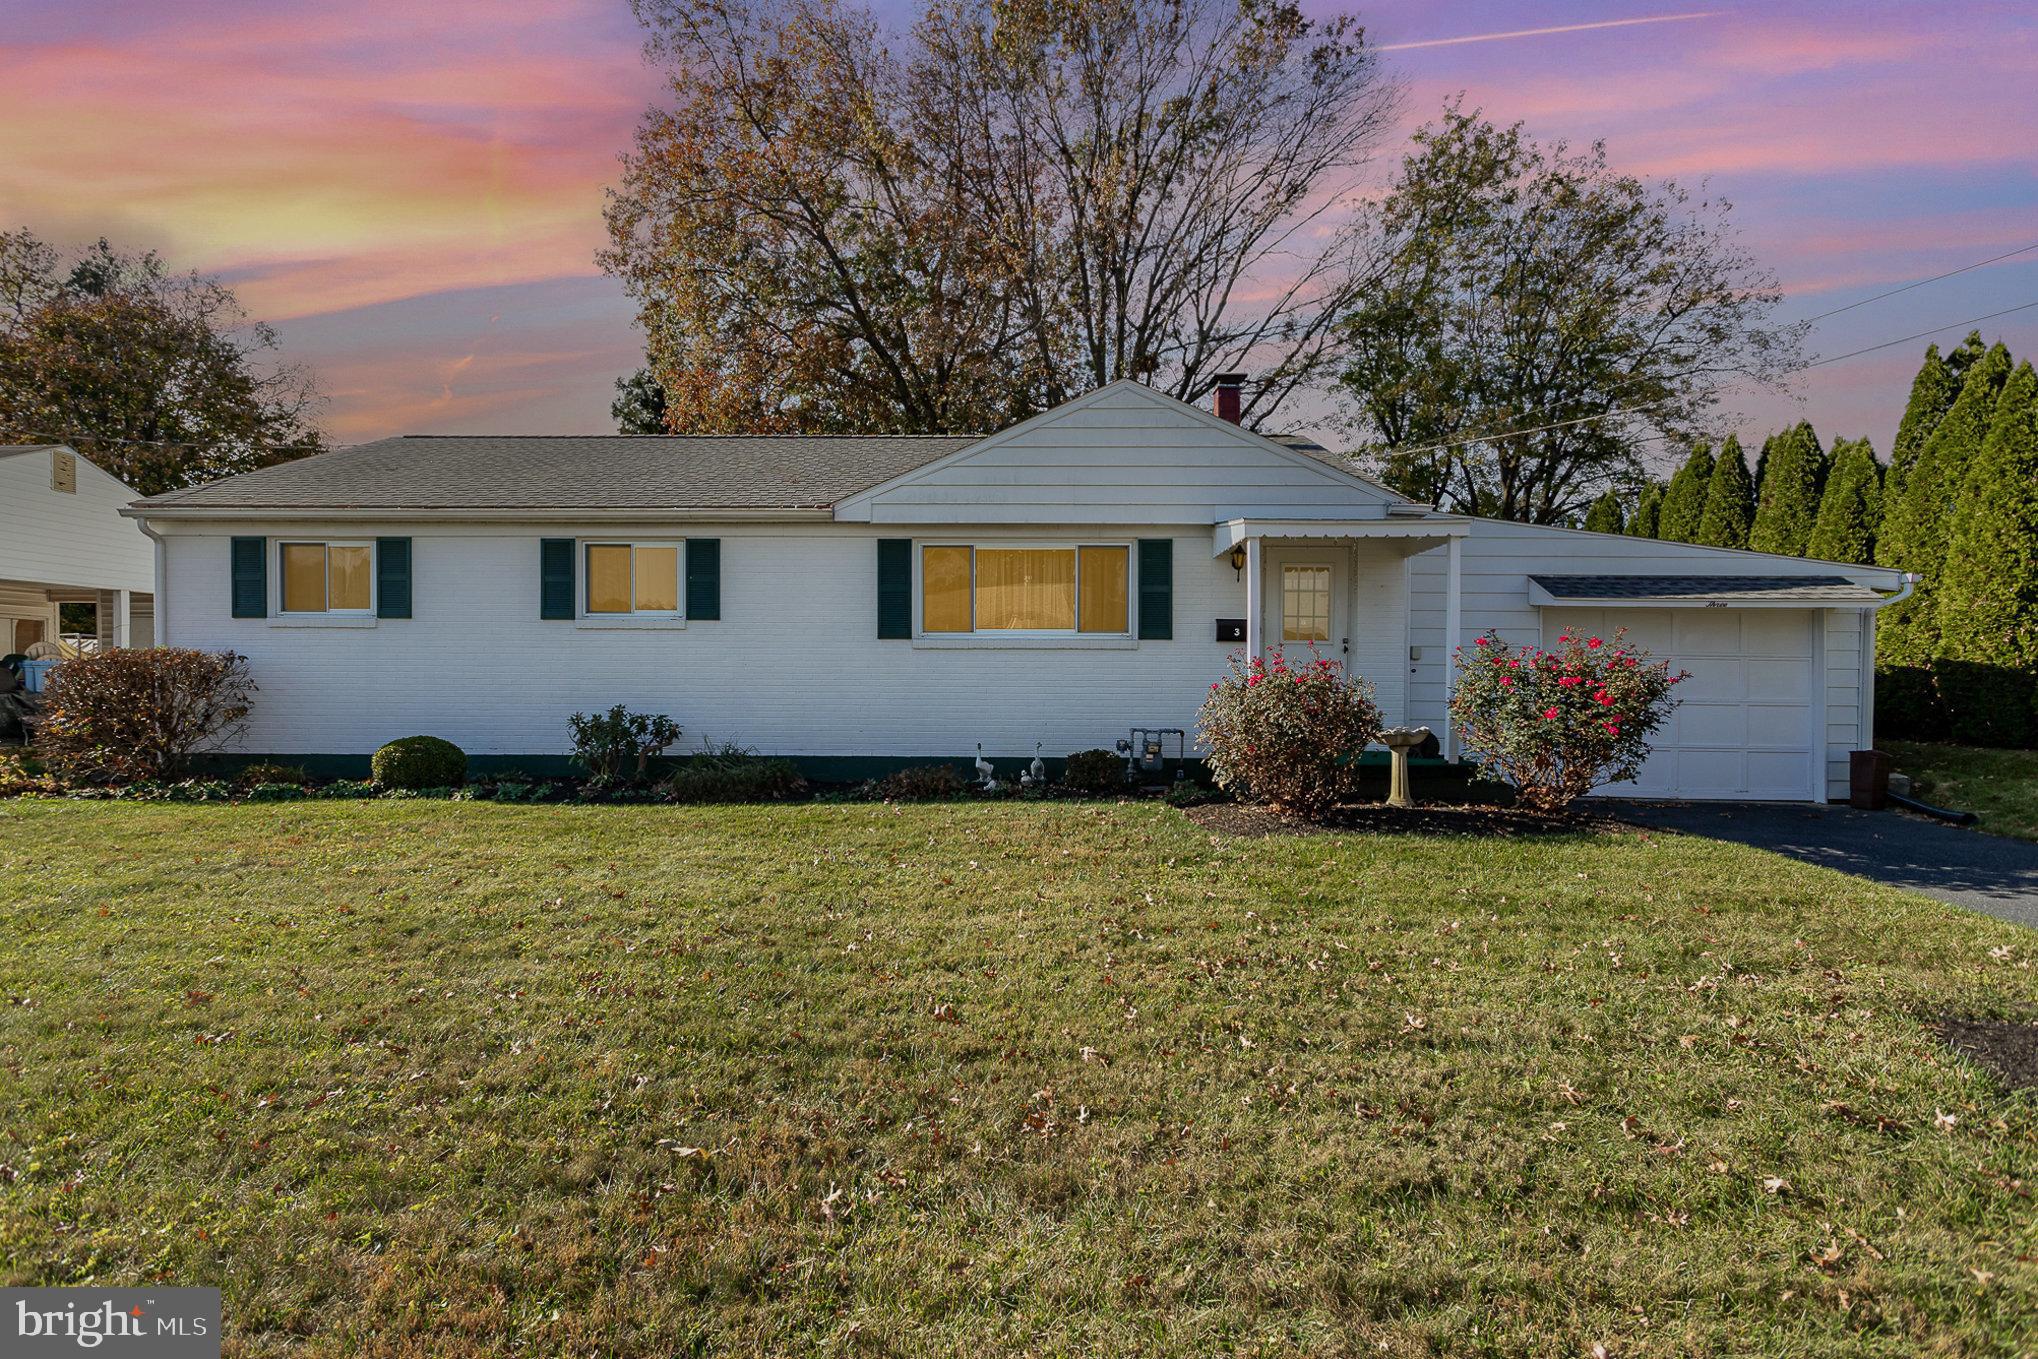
143, 509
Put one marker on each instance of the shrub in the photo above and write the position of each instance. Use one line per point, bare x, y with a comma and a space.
609, 745
347, 790
1557, 724
1289, 736
920, 783
730, 773
1095, 771
260, 773
125, 715
275, 792
416, 762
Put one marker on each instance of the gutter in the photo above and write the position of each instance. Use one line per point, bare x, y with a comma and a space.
549, 515
1905, 591
160, 618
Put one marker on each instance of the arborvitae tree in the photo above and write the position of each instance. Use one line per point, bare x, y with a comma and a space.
1913, 538
1684, 501
1851, 509
1932, 391
1987, 660
1762, 466
1604, 516
1648, 512
1787, 503
1970, 352
1729, 500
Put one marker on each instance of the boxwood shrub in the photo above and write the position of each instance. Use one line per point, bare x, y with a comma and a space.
417, 762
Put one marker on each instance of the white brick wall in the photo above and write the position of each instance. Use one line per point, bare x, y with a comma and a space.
794, 665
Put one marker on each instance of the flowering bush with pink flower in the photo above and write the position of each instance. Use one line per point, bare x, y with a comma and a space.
1557, 724
1289, 735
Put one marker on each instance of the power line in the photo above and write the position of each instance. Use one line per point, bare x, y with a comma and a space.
1965, 268
1651, 405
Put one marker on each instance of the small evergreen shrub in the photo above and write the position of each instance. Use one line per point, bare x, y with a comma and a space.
260, 773
340, 790
275, 792
417, 762
1095, 771
619, 744
921, 783
1557, 724
1289, 736
128, 715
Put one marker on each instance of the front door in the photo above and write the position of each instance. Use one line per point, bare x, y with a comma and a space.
1308, 610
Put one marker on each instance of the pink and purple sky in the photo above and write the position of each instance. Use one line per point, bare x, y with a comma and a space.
412, 191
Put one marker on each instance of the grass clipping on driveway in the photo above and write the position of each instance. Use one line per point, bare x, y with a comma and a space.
427, 1078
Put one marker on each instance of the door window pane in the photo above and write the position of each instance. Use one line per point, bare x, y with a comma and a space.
304, 577
1026, 589
1305, 603
348, 570
1103, 589
944, 589
658, 580
608, 579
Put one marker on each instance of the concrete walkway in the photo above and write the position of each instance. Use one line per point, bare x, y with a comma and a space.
1987, 873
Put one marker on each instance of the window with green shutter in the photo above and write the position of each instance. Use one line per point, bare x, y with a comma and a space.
555, 578
704, 578
250, 577
392, 577
1156, 589
894, 587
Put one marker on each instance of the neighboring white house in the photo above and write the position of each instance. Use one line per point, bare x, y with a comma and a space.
851, 599
63, 540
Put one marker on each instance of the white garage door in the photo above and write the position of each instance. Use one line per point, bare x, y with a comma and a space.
1746, 724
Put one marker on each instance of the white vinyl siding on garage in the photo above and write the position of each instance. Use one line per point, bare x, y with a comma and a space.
1746, 723
1499, 556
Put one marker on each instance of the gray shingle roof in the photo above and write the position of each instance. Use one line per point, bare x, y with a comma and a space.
1672, 589
596, 472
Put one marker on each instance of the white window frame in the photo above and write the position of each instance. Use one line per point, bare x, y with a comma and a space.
1329, 570
991, 636
582, 578
282, 587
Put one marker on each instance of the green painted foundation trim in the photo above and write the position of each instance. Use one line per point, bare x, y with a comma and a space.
818, 768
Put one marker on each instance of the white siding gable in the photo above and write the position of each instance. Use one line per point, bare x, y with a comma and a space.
75, 538
1123, 454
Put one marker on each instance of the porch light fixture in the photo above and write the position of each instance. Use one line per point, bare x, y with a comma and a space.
1238, 560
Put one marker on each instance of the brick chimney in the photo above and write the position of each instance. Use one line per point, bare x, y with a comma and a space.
1226, 403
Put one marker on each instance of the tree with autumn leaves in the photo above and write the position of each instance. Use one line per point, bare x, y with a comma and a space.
828, 227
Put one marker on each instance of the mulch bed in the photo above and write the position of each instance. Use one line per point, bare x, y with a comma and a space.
2008, 1049
1231, 818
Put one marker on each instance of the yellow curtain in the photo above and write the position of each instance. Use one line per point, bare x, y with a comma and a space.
608, 579
658, 580
944, 589
1026, 589
1103, 585
1305, 604
304, 577
348, 568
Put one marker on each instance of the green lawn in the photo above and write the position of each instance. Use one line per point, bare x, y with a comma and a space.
2001, 786
465, 1079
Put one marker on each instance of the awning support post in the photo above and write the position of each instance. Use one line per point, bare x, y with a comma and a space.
1254, 623
1453, 638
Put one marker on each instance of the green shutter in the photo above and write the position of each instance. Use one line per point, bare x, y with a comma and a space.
1156, 589
703, 578
251, 577
555, 578
392, 577
895, 587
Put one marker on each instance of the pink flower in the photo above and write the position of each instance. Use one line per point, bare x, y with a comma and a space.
1603, 699
1480, 642
1506, 683
1612, 728
1563, 636
1594, 643
1549, 714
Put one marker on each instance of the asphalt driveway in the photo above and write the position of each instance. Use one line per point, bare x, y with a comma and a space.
1987, 873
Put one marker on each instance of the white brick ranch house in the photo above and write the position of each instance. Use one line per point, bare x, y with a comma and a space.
853, 600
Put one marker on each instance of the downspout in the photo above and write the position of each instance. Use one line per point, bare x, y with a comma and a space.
1909, 587
160, 618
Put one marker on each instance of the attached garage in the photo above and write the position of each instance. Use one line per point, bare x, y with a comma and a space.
1752, 721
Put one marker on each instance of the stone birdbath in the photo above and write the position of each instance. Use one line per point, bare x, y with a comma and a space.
1399, 741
